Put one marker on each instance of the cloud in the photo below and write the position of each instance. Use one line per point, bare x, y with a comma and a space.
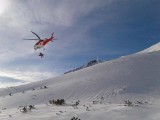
63, 13
40, 13
25, 76
66, 18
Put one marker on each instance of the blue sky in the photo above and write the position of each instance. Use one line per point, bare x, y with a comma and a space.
86, 29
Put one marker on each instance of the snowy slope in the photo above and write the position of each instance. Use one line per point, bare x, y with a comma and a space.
134, 76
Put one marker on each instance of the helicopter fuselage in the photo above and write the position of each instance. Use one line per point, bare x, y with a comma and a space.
41, 43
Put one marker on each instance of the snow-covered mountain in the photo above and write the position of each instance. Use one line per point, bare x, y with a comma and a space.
135, 77
91, 63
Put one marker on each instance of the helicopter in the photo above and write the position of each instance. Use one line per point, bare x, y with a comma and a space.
42, 42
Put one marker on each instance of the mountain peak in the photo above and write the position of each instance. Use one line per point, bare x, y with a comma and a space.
153, 48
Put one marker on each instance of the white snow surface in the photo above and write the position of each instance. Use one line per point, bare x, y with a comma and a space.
135, 77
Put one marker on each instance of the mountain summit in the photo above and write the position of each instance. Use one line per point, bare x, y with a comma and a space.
153, 48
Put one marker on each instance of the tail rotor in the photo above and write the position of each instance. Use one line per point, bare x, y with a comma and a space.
52, 37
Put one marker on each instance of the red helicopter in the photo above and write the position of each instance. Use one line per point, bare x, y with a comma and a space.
42, 42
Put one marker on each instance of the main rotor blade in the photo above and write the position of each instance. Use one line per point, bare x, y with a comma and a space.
30, 39
36, 35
